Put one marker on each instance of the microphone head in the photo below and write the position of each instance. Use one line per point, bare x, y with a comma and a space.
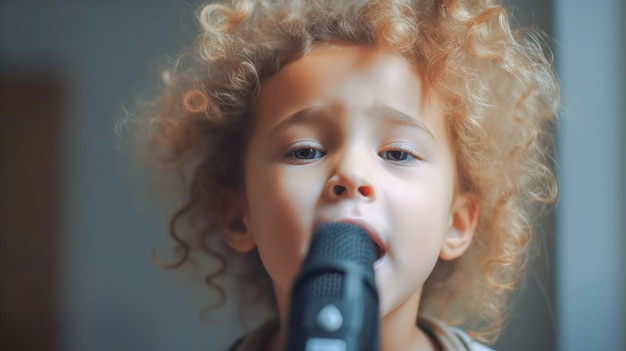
336, 283
342, 241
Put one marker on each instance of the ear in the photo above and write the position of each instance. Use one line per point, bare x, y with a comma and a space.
462, 224
234, 224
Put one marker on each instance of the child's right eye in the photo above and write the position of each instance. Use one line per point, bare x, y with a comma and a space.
303, 154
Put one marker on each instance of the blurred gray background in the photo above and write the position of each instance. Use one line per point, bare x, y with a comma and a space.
76, 235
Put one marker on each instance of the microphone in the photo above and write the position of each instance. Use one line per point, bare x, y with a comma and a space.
334, 300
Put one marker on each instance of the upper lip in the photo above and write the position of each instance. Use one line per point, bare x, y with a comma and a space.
371, 232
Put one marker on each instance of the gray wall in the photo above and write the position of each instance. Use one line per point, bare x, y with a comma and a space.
592, 157
115, 298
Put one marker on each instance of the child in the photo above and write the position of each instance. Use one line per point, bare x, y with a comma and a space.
424, 122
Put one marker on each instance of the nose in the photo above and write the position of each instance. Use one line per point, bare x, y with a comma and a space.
350, 180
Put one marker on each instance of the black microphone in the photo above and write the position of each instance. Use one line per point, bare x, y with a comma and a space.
334, 300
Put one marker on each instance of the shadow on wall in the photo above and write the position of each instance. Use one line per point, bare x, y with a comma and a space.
32, 110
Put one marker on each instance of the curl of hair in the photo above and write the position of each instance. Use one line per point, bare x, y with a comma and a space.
497, 85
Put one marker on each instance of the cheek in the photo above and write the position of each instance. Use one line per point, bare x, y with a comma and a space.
421, 214
280, 219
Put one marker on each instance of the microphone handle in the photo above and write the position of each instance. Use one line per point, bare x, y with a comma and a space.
334, 323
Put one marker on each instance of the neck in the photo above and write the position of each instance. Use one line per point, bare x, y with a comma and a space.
278, 341
399, 331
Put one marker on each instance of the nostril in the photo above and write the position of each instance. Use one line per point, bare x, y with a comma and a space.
365, 190
339, 189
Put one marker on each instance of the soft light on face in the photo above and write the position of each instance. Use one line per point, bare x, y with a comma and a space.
344, 133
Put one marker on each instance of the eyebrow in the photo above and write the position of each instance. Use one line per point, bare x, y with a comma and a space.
386, 112
301, 115
394, 116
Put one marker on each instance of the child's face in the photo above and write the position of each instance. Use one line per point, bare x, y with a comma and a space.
345, 134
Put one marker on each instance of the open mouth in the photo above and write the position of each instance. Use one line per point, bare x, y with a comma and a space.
380, 250
380, 254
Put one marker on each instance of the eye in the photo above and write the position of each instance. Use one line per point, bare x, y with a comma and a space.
303, 153
401, 155
308, 153
396, 155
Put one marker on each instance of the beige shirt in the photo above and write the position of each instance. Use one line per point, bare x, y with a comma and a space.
449, 339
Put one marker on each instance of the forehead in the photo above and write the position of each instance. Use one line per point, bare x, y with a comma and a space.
341, 71
353, 77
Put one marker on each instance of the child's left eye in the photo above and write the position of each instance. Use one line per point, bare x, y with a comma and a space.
396, 155
400, 156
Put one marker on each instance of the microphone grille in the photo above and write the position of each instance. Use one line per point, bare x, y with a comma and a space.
342, 241
337, 242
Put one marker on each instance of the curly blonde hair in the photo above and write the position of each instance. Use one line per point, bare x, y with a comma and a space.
498, 89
